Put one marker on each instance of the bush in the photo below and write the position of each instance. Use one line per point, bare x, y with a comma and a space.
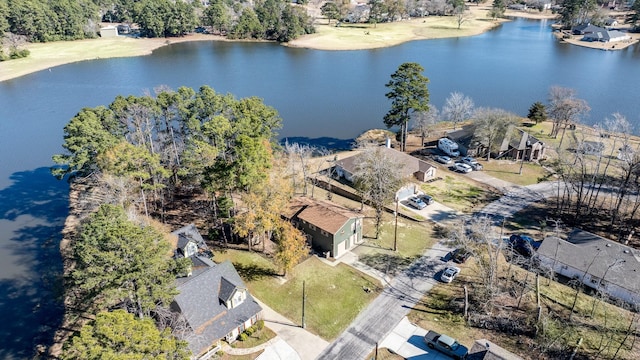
243, 337
17, 54
250, 331
260, 324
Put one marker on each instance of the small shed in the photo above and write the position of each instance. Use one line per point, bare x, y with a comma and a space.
108, 31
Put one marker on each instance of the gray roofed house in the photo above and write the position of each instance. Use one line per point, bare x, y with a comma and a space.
216, 306
484, 349
410, 166
606, 36
584, 29
601, 264
190, 242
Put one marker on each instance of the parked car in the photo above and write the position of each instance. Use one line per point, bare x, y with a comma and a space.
463, 168
446, 345
475, 165
449, 274
523, 244
442, 159
427, 199
461, 255
416, 203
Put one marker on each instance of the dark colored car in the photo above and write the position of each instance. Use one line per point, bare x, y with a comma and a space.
461, 255
523, 245
446, 345
426, 199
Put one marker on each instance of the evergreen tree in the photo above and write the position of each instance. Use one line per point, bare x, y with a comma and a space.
408, 94
537, 112
121, 263
118, 335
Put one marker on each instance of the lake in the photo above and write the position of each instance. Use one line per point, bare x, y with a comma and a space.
335, 94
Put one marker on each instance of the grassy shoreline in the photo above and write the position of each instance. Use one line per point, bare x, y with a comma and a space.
328, 37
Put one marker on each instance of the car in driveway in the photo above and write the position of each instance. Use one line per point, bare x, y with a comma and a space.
442, 159
446, 345
463, 168
449, 274
427, 199
416, 202
475, 165
461, 255
523, 245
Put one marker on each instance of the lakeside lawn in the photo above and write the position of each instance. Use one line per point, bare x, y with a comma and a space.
335, 294
509, 170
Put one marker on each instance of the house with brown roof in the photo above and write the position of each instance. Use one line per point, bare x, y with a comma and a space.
330, 228
606, 266
411, 166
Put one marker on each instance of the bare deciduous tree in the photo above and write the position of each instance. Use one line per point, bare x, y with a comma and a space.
457, 108
565, 109
424, 121
491, 126
377, 177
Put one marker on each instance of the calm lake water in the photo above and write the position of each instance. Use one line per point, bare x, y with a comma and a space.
317, 93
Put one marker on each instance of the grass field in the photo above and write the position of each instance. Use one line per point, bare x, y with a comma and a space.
458, 192
323, 285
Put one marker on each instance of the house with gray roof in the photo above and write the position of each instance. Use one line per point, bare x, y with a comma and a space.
606, 36
216, 306
587, 28
188, 243
484, 349
603, 265
331, 229
411, 166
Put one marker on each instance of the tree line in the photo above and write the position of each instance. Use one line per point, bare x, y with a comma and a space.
54, 20
139, 154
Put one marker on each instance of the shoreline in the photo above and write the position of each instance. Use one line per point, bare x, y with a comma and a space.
356, 37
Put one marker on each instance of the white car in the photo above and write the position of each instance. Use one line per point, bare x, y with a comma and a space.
463, 168
449, 273
416, 202
475, 165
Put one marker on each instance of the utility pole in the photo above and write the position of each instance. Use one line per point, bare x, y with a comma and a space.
304, 297
395, 232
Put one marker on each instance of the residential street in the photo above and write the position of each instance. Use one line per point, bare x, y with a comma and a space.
405, 290
385, 312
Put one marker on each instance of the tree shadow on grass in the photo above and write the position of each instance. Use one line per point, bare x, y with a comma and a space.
390, 264
253, 272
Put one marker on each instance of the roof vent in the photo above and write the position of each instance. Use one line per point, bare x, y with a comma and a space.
626, 251
608, 245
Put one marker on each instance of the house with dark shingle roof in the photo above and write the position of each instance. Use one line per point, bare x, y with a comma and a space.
603, 265
520, 145
587, 28
606, 36
484, 349
216, 306
331, 229
188, 243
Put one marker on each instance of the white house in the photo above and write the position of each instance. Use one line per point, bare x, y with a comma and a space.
601, 264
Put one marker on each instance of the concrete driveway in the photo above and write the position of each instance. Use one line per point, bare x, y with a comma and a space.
435, 212
407, 340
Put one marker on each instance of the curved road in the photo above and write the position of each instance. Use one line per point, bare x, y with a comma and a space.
403, 292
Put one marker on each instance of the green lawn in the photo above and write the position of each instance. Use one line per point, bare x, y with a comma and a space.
509, 170
335, 294
457, 192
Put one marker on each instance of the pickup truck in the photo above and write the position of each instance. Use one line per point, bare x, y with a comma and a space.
446, 345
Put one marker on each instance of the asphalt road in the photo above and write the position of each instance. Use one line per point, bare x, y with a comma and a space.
383, 314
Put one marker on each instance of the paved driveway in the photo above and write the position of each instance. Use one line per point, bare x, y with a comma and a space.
435, 212
407, 340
